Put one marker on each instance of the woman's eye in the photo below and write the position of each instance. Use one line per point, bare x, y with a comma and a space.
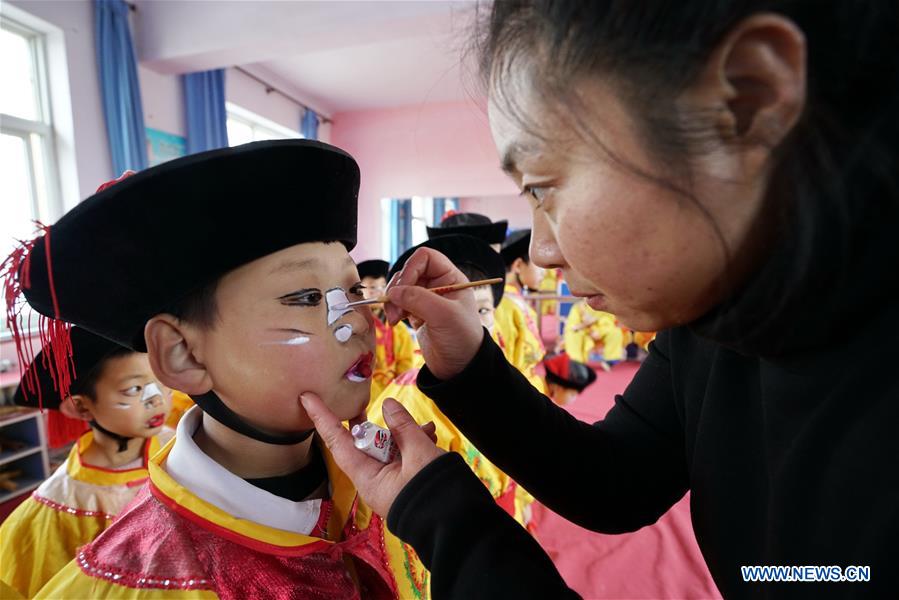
537, 193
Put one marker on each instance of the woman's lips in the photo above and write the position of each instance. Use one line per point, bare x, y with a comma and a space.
156, 421
360, 370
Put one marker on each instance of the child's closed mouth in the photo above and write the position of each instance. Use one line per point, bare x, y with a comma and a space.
156, 421
360, 370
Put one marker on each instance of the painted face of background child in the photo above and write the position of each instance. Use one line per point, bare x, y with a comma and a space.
127, 398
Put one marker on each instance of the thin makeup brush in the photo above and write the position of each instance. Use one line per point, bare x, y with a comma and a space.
437, 290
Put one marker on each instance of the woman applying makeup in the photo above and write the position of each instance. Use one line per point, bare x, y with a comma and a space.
726, 173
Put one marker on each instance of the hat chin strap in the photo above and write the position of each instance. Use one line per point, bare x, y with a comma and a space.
211, 404
121, 439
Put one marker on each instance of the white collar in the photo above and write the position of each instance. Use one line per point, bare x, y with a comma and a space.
215, 484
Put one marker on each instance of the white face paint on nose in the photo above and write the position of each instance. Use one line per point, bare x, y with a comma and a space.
334, 299
151, 395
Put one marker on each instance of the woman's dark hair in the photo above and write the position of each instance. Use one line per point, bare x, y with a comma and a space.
834, 187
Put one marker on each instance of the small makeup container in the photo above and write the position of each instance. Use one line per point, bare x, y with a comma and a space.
375, 441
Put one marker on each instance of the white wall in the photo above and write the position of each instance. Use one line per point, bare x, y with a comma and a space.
162, 99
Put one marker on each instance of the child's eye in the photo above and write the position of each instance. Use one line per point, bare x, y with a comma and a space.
308, 297
484, 311
357, 289
134, 390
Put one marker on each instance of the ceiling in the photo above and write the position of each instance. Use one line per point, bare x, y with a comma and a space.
337, 55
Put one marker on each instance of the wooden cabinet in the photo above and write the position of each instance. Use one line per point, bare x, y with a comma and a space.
24, 448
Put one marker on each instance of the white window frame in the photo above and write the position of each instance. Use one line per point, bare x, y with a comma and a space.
45, 186
258, 122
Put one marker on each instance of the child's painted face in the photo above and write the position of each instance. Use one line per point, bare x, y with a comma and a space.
529, 273
483, 297
374, 286
281, 332
128, 399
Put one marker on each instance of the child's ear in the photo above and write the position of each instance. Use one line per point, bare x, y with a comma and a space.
76, 407
171, 349
517, 265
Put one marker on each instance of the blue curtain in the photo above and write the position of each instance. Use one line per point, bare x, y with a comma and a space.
119, 87
207, 121
309, 124
401, 227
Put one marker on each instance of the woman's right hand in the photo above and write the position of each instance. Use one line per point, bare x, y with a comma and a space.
448, 327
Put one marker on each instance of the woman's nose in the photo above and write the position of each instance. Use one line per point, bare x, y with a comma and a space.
544, 250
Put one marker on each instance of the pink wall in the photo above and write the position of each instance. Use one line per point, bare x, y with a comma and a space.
436, 149
512, 208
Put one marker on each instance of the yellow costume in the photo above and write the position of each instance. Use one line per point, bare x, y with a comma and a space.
511, 497
71, 508
199, 531
586, 329
395, 352
549, 285
181, 403
516, 326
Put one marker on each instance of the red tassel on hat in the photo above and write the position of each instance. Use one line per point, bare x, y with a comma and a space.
53, 333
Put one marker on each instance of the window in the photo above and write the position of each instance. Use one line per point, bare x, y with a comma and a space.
405, 222
29, 180
245, 126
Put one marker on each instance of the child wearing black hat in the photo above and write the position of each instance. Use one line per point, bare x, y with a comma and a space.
477, 260
395, 349
511, 327
114, 389
523, 275
566, 378
245, 315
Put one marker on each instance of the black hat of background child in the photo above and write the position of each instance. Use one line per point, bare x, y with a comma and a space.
143, 244
463, 250
563, 371
516, 246
39, 386
472, 224
373, 268
140, 246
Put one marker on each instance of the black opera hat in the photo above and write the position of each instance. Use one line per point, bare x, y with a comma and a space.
563, 371
373, 268
472, 224
516, 246
138, 247
463, 250
40, 383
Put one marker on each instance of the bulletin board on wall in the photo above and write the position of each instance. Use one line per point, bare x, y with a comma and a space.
163, 146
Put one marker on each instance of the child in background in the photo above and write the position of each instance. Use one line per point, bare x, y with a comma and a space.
566, 378
114, 390
511, 329
245, 315
395, 350
587, 329
477, 261
522, 276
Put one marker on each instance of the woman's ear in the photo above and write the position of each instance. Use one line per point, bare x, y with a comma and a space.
172, 348
76, 407
756, 78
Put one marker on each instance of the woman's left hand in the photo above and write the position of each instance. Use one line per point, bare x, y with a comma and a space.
377, 483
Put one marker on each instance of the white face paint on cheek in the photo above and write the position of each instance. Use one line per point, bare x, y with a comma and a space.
343, 333
294, 341
336, 297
